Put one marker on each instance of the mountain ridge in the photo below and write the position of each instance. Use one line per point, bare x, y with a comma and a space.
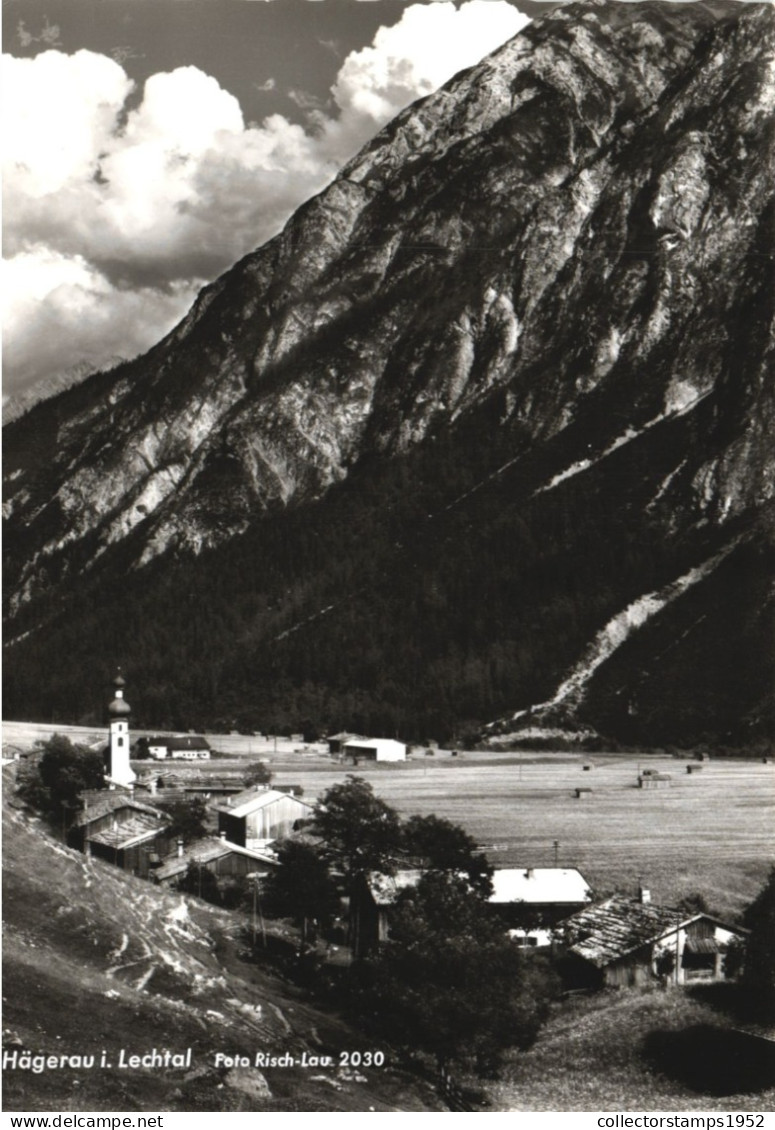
571, 203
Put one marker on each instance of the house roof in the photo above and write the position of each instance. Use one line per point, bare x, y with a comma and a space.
603, 933
99, 804
704, 945
191, 777
539, 885
129, 833
206, 851
343, 737
385, 889
375, 743
179, 741
188, 741
243, 804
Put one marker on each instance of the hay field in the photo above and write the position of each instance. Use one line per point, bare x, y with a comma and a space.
712, 831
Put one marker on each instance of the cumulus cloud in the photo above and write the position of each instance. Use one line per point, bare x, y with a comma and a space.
61, 312
115, 217
430, 43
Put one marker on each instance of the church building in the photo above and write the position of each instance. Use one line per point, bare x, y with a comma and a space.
118, 772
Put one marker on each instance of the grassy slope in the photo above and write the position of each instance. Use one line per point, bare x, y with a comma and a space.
95, 959
593, 1056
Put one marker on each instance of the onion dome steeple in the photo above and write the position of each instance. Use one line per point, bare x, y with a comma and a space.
119, 707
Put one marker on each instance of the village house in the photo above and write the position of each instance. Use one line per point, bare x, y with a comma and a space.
178, 783
116, 827
371, 900
631, 941
216, 855
185, 747
532, 900
374, 749
257, 817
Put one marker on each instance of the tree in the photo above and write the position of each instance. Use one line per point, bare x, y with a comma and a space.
360, 831
449, 983
198, 880
759, 972
64, 771
437, 844
258, 773
187, 818
301, 888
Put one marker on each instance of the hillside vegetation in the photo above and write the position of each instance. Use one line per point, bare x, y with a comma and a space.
95, 960
642, 1049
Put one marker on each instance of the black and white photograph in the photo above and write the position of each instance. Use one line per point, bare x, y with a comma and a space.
389, 620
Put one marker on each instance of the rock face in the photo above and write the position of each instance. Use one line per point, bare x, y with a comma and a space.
558, 268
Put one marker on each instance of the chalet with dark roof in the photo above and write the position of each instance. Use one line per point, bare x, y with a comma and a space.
625, 941
184, 747
119, 829
216, 855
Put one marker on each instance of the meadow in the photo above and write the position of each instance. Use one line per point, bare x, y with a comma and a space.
710, 832
644, 1049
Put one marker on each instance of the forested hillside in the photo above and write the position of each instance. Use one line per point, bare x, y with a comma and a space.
483, 437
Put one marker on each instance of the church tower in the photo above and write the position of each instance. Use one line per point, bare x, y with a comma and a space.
119, 773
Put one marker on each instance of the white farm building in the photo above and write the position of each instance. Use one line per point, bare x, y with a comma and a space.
375, 749
532, 900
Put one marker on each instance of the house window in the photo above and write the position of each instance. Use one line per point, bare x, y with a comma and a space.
120, 741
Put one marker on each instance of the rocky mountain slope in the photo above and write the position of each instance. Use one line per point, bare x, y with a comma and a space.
483, 430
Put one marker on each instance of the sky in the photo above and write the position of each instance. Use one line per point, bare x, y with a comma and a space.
149, 144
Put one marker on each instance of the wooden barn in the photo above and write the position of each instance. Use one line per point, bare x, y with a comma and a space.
374, 749
625, 942
372, 897
119, 829
336, 742
259, 816
217, 855
532, 900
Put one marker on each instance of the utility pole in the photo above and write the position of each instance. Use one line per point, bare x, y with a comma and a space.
257, 913
253, 916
